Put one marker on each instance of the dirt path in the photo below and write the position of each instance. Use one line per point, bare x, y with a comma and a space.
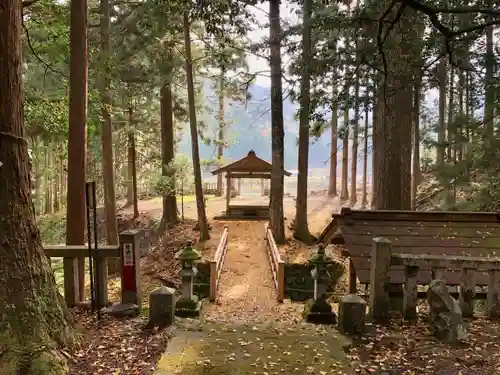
246, 289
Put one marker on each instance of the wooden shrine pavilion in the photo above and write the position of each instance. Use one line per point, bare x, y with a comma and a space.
250, 166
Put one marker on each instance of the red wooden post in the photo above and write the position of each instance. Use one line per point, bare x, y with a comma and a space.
131, 275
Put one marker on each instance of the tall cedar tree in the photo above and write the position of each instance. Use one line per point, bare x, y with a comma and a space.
77, 138
301, 229
200, 201
277, 220
35, 321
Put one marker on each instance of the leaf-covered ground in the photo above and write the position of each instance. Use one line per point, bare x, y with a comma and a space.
116, 346
403, 349
220, 349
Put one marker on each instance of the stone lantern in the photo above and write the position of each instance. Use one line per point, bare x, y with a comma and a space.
188, 305
319, 310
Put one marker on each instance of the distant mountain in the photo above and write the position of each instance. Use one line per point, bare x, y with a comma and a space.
249, 128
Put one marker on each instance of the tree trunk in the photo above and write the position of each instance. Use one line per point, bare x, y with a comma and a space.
220, 145
442, 105
35, 319
169, 216
132, 169
489, 100
200, 201
47, 182
55, 164
276, 220
460, 128
449, 123
416, 140
393, 168
364, 199
77, 145
108, 172
301, 231
377, 112
332, 186
344, 192
355, 136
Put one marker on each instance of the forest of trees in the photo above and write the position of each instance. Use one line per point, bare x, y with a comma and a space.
88, 87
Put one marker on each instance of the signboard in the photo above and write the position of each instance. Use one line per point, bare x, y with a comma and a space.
128, 255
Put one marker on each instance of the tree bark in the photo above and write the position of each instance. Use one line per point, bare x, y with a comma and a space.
220, 145
35, 322
489, 100
332, 185
132, 168
416, 140
393, 133
364, 199
344, 192
169, 216
108, 172
276, 220
200, 201
442, 110
77, 144
355, 137
301, 231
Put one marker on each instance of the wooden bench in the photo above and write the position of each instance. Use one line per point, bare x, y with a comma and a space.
463, 234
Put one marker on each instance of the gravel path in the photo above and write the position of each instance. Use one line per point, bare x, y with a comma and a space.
246, 289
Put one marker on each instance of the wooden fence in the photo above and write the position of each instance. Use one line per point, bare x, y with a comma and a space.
383, 259
277, 265
70, 254
217, 263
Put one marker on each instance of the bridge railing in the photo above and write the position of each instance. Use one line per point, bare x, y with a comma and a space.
277, 265
217, 263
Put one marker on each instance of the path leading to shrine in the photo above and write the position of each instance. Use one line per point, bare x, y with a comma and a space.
246, 290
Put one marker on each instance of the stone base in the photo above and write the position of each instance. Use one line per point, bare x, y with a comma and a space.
319, 312
188, 308
122, 310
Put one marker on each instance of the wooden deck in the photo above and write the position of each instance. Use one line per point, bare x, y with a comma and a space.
474, 234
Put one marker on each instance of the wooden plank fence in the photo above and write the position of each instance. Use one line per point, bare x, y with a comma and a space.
217, 263
277, 265
383, 257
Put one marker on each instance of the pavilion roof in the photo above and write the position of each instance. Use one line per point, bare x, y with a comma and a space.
249, 164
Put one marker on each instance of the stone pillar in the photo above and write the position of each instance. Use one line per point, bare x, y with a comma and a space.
188, 305
467, 292
162, 307
319, 310
131, 275
493, 297
352, 315
410, 293
379, 280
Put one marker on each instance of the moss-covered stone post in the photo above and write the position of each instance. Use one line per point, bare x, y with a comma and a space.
319, 310
379, 280
188, 305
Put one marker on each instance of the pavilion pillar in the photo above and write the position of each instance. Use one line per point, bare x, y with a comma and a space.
239, 186
228, 191
262, 187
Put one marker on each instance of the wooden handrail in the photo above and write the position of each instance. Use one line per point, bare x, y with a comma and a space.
276, 263
217, 263
75, 251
